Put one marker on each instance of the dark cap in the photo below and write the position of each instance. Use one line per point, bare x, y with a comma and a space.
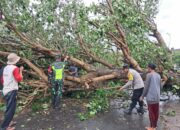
125, 66
152, 66
57, 56
131, 66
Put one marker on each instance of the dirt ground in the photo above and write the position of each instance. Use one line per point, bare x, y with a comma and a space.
114, 119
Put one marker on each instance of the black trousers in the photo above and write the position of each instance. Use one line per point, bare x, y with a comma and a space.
135, 98
10, 109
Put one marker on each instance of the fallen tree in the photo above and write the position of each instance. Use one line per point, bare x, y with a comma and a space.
97, 46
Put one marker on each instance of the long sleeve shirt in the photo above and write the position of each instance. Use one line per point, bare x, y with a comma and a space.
152, 88
134, 80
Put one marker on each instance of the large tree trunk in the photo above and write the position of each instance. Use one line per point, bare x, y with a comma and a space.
92, 76
157, 34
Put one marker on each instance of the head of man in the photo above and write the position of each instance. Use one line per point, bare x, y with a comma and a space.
151, 67
12, 59
125, 68
58, 57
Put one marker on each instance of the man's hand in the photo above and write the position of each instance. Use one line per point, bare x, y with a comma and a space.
124, 80
66, 58
20, 71
21, 68
141, 98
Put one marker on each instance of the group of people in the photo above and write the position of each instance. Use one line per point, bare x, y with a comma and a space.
150, 89
13, 74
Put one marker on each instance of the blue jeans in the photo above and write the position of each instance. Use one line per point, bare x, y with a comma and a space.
10, 109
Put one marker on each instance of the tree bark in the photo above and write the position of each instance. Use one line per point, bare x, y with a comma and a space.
90, 54
31, 65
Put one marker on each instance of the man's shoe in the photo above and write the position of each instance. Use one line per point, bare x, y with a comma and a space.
140, 111
128, 112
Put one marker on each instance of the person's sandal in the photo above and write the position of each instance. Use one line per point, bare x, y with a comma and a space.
10, 128
149, 128
12, 123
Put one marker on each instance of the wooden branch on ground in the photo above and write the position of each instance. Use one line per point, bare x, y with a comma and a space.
82, 64
103, 78
34, 74
92, 89
72, 78
36, 69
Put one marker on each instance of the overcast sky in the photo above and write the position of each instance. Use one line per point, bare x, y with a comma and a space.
168, 21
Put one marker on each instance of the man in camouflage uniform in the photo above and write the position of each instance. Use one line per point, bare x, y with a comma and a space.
55, 77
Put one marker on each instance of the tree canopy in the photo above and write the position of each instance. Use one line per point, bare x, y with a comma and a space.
103, 35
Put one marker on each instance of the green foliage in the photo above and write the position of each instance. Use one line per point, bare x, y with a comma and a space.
148, 52
98, 102
176, 58
176, 89
40, 104
55, 25
171, 113
2, 107
114, 83
82, 116
81, 95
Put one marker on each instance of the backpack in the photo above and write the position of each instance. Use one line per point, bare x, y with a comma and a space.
1, 77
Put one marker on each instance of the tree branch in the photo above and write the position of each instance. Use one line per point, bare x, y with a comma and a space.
31, 65
95, 58
109, 2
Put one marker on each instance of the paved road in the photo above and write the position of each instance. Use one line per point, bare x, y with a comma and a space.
66, 119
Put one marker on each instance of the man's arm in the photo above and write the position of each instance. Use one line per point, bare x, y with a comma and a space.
129, 83
65, 61
17, 73
50, 74
66, 58
163, 80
